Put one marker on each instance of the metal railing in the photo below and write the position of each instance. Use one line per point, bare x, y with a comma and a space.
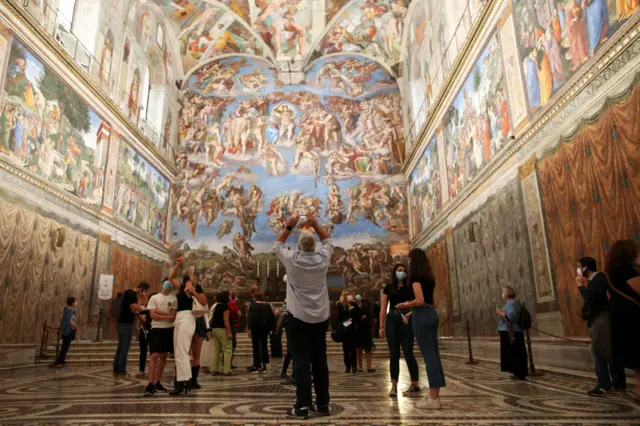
60, 28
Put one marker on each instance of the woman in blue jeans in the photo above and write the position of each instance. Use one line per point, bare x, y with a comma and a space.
425, 324
397, 326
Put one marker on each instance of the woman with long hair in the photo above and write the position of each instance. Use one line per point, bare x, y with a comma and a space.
513, 353
425, 324
347, 315
397, 327
184, 326
623, 271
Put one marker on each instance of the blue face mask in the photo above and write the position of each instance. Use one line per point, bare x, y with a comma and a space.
401, 275
358, 298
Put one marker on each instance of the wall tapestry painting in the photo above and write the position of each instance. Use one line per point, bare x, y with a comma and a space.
557, 36
142, 193
591, 197
477, 125
425, 193
253, 151
46, 128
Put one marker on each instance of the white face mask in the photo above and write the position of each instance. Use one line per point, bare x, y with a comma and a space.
349, 298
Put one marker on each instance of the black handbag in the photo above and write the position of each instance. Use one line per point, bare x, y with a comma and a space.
344, 329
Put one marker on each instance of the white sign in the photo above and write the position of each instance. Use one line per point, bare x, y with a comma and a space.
105, 287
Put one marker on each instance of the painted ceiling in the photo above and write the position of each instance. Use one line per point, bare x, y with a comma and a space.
300, 31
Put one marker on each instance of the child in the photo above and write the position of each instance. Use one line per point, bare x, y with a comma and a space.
68, 327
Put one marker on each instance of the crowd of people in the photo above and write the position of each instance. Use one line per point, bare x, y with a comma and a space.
176, 320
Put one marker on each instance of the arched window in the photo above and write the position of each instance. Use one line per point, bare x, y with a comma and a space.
64, 14
145, 94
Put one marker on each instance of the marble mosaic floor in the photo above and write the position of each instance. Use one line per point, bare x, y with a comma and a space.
475, 395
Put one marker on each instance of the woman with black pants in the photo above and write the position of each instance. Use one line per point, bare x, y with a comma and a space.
261, 321
144, 319
397, 327
348, 314
513, 353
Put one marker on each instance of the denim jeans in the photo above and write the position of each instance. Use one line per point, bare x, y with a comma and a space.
425, 328
400, 335
66, 343
609, 376
125, 334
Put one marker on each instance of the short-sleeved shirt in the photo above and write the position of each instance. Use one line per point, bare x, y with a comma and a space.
428, 287
185, 302
307, 292
65, 323
129, 298
165, 304
403, 294
217, 319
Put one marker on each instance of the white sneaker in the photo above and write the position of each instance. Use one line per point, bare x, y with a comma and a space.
430, 404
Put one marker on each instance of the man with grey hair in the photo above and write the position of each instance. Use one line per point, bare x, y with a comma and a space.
308, 306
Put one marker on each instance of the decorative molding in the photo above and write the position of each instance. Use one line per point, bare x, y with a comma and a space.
624, 49
23, 23
453, 277
527, 168
538, 244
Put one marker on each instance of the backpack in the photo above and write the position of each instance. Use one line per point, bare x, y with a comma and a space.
524, 322
116, 306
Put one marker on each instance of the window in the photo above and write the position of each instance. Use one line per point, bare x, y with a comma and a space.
64, 15
145, 94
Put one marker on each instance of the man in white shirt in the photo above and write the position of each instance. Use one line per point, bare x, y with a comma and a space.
308, 307
162, 308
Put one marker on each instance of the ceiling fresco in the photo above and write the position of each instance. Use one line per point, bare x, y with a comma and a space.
254, 151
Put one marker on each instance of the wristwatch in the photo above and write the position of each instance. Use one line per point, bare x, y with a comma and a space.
289, 228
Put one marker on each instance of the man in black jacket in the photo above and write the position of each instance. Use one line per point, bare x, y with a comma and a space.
593, 286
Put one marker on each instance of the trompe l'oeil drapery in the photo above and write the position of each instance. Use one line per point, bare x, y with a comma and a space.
36, 276
591, 197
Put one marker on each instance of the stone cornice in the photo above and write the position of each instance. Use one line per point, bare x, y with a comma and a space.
28, 29
606, 57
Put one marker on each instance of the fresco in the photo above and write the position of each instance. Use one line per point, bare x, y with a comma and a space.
215, 32
555, 37
437, 31
284, 25
373, 27
332, 7
141, 194
48, 129
145, 28
477, 125
256, 151
425, 193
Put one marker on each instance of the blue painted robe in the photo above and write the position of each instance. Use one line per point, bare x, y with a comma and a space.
533, 83
597, 15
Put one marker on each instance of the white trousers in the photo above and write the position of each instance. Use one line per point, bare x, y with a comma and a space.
184, 327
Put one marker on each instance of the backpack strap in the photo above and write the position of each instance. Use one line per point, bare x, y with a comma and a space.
626, 296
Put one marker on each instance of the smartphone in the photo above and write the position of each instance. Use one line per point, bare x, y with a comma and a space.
579, 272
303, 218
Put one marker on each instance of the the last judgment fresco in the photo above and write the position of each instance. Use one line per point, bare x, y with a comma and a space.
254, 151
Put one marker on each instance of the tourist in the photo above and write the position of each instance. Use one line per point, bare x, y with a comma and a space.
593, 287
68, 327
308, 307
346, 328
513, 353
184, 327
260, 322
202, 331
275, 339
131, 304
144, 326
624, 277
425, 324
364, 339
222, 335
162, 312
234, 317
282, 324
397, 327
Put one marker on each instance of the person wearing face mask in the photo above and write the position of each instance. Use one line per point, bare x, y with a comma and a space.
623, 271
513, 353
364, 338
593, 288
184, 327
397, 327
348, 320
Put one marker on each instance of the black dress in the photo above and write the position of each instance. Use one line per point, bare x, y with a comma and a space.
625, 319
364, 336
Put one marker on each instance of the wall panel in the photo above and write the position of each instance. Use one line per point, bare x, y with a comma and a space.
437, 255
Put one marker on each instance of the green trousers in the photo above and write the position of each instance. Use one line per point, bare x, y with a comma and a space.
221, 343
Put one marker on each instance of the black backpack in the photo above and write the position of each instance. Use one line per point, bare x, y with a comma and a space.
116, 306
524, 322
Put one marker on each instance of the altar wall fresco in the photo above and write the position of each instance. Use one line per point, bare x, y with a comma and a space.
254, 151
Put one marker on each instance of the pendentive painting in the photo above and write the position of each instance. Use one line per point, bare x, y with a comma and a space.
557, 36
142, 194
477, 126
425, 194
253, 151
48, 129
